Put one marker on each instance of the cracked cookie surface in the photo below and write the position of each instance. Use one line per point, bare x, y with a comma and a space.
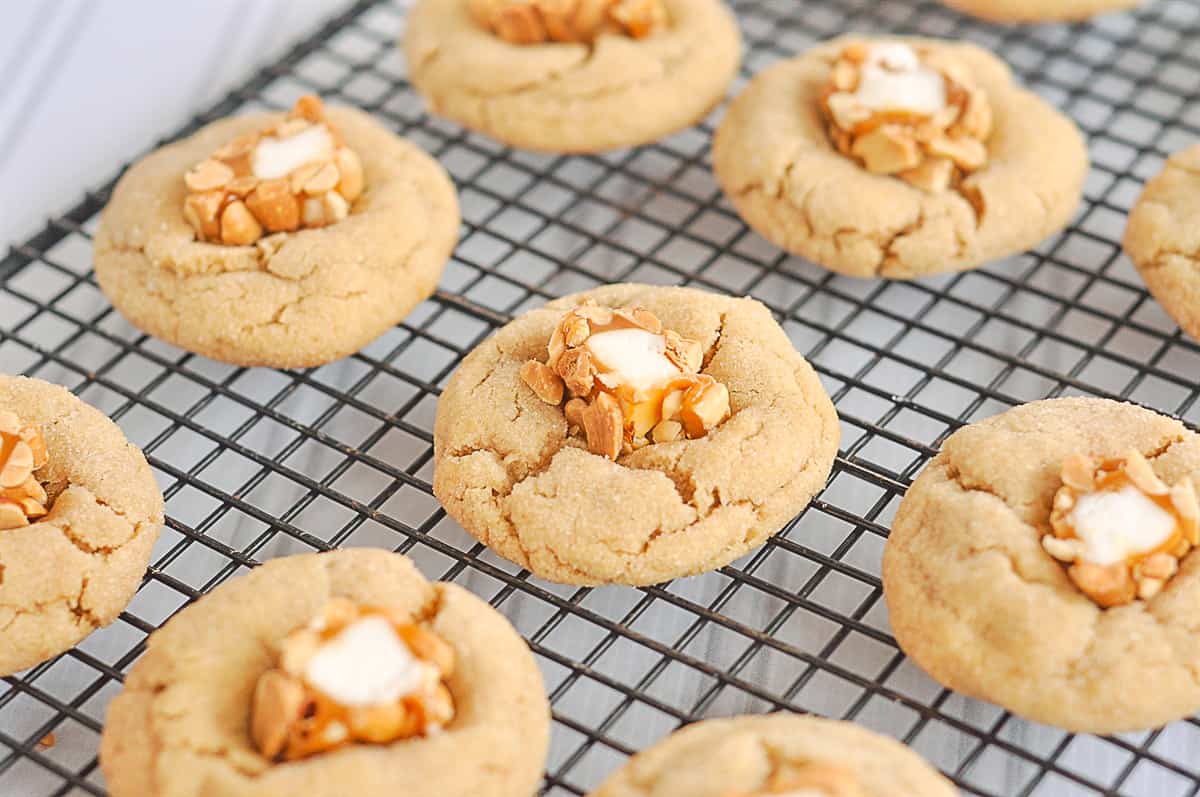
181, 725
1039, 10
570, 97
75, 569
509, 472
977, 602
304, 299
774, 159
1163, 239
741, 755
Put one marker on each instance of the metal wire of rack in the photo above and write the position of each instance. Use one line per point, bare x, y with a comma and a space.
257, 464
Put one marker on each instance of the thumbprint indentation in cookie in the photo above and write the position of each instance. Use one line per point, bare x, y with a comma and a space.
627, 382
354, 674
296, 174
908, 110
1120, 528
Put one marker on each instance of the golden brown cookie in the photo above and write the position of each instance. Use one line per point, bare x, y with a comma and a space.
978, 601
182, 725
617, 91
294, 298
778, 755
1039, 10
75, 567
1163, 238
775, 159
511, 469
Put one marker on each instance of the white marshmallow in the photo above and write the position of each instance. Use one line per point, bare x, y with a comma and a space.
635, 357
366, 664
894, 79
1116, 524
277, 157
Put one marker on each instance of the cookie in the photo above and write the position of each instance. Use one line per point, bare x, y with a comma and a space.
1039, 10
787, 755
1163, 242
198, 705
569, 95
917, 195
532, 479
1043, 561
224, 245
74, 552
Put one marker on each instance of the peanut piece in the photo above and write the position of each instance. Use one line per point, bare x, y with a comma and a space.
1079, 473
688, 355
887, 150
350, 168
543, 381
273, 204
278, 700
208, 175
933, 175
704, 406
968, 154
573, 409
1160, 565
666, 431
1107, 586
203, 212
594, 314
604, 426
238, 225
19, 465
325, 179
12, 516
577, 371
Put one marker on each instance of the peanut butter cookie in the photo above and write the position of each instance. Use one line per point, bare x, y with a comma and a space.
1044, 561
79, 513
632, 434
330, 674
572, 75
898, 158
1039, 10
778, 755
1163, 239
279, 240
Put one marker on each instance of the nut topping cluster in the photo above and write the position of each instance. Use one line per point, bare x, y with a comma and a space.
292, 175
1121, 528
908, 111
538, 21
627, 382
354, 675
22, 451
810, 780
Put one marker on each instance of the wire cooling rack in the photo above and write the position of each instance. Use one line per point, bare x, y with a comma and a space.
259, 463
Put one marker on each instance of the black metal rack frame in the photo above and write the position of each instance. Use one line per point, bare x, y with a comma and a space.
257, 464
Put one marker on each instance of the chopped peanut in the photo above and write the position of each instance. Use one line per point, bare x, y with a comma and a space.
540, 21
296, 713
588, 350
22, 451
1139, 564
292, 175
932, 137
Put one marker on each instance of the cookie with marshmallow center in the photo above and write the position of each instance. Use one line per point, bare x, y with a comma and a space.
632, 434
1045, 561
281, 240
898, 158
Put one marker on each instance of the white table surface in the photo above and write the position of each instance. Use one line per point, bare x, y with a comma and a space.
89, 84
